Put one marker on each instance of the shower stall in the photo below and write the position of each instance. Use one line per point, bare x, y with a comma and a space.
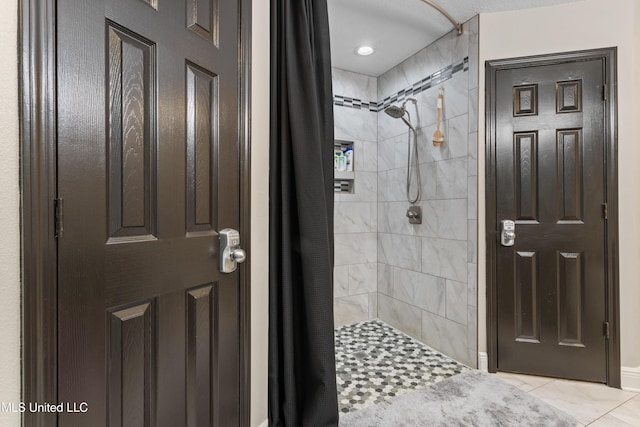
419, 278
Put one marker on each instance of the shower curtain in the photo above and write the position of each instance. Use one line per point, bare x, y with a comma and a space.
302, 380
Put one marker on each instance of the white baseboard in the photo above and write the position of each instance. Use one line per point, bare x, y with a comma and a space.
265, 423
483, 361
630, 378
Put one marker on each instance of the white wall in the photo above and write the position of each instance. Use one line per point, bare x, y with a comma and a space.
578, 26
9, 213
259, 210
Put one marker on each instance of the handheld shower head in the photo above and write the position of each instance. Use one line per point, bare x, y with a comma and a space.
400, 112
395, 111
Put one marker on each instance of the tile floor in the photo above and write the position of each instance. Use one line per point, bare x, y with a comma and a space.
591, 404
375, 361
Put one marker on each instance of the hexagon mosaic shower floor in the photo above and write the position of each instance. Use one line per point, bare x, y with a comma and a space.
375, 362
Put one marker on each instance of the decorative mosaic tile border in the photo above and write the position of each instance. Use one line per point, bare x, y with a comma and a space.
420, 86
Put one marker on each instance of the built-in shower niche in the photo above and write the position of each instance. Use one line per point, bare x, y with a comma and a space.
343, 180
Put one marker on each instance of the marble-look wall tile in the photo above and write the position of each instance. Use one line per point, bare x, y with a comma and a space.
428, 173
385, 279
422, 290
400, 315
374, 217
428, 106
473, 56
472, 242
388, 83
473, 110
456, 302
451, 178
472, 25
472, 285
354, 124
352, 217
424, 63
354, 85
351, 309
458, 138
473, 154
445, 258
392, 218
396, 185
373, 305
401, 149
363, 278
340, 281
365, 156
383, 187
386, 155
445, 335
443, 218
400, 251
438, 55
472, 336
456, 96
460, 45
365, 188
356, 248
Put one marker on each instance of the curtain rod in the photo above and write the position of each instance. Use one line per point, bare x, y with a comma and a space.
446, 15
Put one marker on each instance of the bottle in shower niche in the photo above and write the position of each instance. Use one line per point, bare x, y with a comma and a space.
348, 154
336, 161
342, 162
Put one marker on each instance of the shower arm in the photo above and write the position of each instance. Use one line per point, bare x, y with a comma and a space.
445, 14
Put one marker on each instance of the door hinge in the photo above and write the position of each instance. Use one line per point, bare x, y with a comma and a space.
605, 211
605, 92
58, 212
606, 329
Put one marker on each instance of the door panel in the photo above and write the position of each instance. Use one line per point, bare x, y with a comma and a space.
550, 180
148, 164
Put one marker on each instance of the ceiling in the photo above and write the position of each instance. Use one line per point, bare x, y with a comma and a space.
399, 28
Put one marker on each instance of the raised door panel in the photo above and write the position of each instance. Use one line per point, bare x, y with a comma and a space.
202, 149
202, 342
131, 133
569, 173
131, 376
202, 18
527, 309
571, 294
526, 179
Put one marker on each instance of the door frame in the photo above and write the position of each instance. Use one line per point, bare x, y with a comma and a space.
612, 303
38, 176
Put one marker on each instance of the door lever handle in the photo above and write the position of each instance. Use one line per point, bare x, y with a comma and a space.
231, 254
508, 232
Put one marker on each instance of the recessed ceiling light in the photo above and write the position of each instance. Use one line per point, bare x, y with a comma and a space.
364, 50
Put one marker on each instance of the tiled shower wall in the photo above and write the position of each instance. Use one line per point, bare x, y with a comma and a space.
426, 274
355, 272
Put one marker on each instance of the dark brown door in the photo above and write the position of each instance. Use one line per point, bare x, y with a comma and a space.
550, 180
148, 167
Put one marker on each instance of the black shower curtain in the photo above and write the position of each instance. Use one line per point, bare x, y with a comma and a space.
302, 380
